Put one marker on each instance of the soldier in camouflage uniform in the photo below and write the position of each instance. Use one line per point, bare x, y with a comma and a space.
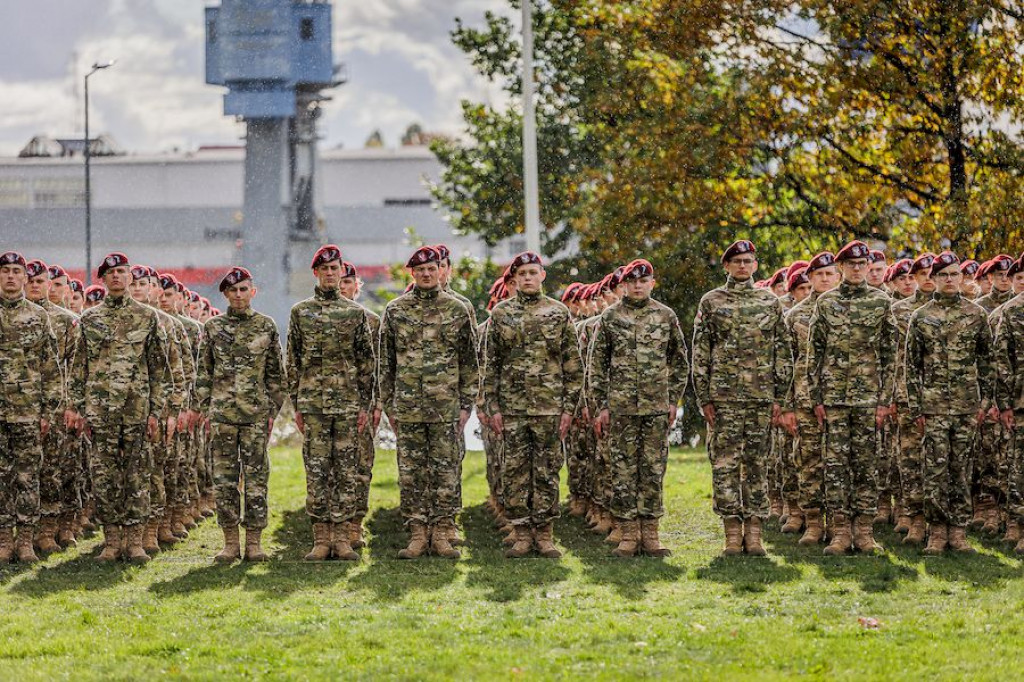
428, 384
742, 369
949, 383
639, 374
330, 370
76, 297
851, 363
1009, 364
30, 394
240, 386
532, 381
877, 267
120, 383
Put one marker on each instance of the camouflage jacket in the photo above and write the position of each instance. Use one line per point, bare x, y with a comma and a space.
902, 311
798, 324
373, 319
640, 363
470, 308
193, 338
949, 358
178, 359
586, 330
994, 299
240, 378
852, 351
481, 359
65, 327
331, 364
533, 365
741, 351
120, 373
1009, 356
30, 378
428, 363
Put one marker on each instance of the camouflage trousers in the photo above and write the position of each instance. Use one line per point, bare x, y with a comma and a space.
888, 474
1015, 479
948, 443
775, 463
158, 454
851, 469
492, 456
176, 474
910, 461
428, 471
21, 456
120, 473
738, 446
790, 473
532, 462
601, 469
810, 461
639, 455
59, 474
575, 462
364, 473
240, 457
991, 462
330, 452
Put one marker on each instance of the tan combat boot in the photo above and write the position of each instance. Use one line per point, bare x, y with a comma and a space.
340, 547
752, 537
440, 544
417, 541
650, 543
993, 520
163, 534
604, 524
841, 541
733, 536
523, 544
980, 513
615, 536
355, 533
917, 532
253, 550
6, 545
1012, 536
46, 534
629, 545
795, 521
209, 505
66, 531
454, 539
577, 507
863, 535
1019, 549
177, 522
111, 544
958, 540
814, 531
776, 510
150, 541
231, 552
903, 523
135, 553
545, 543
884, 510
937, 538
23, 545
510, 538
321, 543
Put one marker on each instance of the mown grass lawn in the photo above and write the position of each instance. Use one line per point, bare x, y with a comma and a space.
588, 616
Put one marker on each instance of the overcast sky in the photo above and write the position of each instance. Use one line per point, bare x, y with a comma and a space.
401, 65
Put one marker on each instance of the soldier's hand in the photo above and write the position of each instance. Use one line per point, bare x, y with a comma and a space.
153, 429
394, 424
604, 417
920, 422
463, 418
71, 420
585, 415
376, 418
776, 415
881, 415
709, 413
819, 414
184, 421
993, 415
788, 422
270, 426
484, 419
673, 412
172, 424
982, 416
44, 426
893, 412
361, 421
498, 424
1006, 417
563, 425
299, 424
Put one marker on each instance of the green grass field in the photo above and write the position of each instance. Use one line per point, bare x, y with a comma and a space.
589, 615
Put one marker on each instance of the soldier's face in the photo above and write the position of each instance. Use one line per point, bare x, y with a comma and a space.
37, 288
801, 292
76, 302
640, 288
59, 289
948, 280
444, 271
328, 275
876, 273
779, 289
427, 276
985, 284
12, 280
906, 285
1018, 282
1000, 282
824, 279
139, 289
512, 287
168, 298
349, 287
240, 295
529, 278
924, 281
610, 296
741, 268
116, 280
855, 270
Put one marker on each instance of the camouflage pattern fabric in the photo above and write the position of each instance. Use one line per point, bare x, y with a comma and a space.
948, 440
330, 452
368, 439
428, 454
30, 377
850, 464
20, 458
532, 460
738, 450
120, 469
807, 449
907, 441
240, 456
639, 455
810, 462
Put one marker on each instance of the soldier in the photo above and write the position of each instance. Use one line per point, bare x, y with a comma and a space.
996, 271
742, 368
777, 282
120, 383
240, 386
902, 284
982, 280
330, 372
76, 297
823, 275
575, 452
949, 381
60, 286
877, 266
533, 377
1009, 362
851, 361
94, 296
789, 299
428, 384
31, 394
638, 377
969, 287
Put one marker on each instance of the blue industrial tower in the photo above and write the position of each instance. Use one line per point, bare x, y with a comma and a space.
274, 56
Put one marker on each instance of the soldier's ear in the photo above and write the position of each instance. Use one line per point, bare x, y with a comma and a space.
543, 274
255, 291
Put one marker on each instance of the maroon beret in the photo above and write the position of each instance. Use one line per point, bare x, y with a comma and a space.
983, 269
34, 268
761, 284
76, 285
1014, 269
56, 271
944, 260
822, 260
794, 266
606, 283
140, 271
570, 292
777, 277
234, 276
637, 269
616, 278
348, 270
444, 252
113, 260
326, 254
921, 263
206, 303
969, 267
12, 258
95, 293
738, 248
853, 250
422, 256
798, 277
193, 297
900, 267
495, 285
876, 256
525, 258
168, 281
1000, 263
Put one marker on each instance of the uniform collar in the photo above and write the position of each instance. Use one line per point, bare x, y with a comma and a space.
853, 289
736, 285
946, 300
241, 315
528, 299
426, 294
11, 303
1001, 296
122, 301
635, 305
920, 296
326, 294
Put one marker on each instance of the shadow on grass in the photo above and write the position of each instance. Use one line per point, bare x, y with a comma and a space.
73, 573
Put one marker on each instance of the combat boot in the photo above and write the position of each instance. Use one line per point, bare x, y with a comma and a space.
135, 553
545, 545
992, 523
231, 552
208, 505
814, 531
23, 545
937, 538
150, 541
650, 543
884, 510
417, 541
958, 540
321, 543
1019, 549
615, 536
733, 526
523, 544
980, 513
795, 522
629, 543
340, 547
6, 545
454, 539
111, 544
841, 541
66, 531
46, 533
918, 529
577, 507
440, 545
752, 537
775, 512
604, 524
509, 539
253, 550
163, 534
1012, 532
903, 523
177, 522
190, 517
355, 533
863, 535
